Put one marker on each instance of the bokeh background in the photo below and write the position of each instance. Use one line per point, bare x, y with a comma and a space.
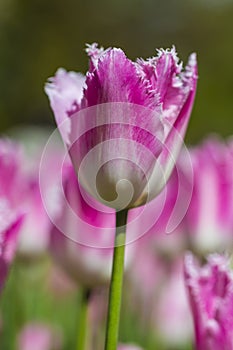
37, 37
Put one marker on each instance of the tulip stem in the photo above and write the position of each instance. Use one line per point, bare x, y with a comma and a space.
82, 322
115, 293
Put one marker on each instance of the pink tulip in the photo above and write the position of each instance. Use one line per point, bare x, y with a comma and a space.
11, 214
10, 222
84, 246
209, 219
35, 233
172, 317
124, 122
210, 290
36, 336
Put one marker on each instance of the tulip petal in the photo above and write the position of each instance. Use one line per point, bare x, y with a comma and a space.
108, 145
116, 80
174, 136
65, 91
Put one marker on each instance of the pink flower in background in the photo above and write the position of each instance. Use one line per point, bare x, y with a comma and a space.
154, 264
36, 336
156, 252
210, 291
10, 222
157, 293
11, 214
95, 228
35, 233
128, 347
172, 316
24, 224
134, 126
12, 186
146, 274
171, 204
209, 219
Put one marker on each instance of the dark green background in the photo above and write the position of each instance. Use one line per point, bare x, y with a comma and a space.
38, 36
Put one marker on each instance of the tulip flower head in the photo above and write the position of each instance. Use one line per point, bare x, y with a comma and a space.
124, 122
210, 291
210, 216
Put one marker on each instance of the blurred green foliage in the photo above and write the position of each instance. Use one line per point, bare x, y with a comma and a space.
37, 37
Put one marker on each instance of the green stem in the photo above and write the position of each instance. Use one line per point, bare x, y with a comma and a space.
82, 324
115, 292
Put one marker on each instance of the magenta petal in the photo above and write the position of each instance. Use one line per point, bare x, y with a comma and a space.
178, 92
161, 71
11, 159
167, 68
210, 290
174, 134
95, 53
116, 80
189, 78
165, 77
12, 193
